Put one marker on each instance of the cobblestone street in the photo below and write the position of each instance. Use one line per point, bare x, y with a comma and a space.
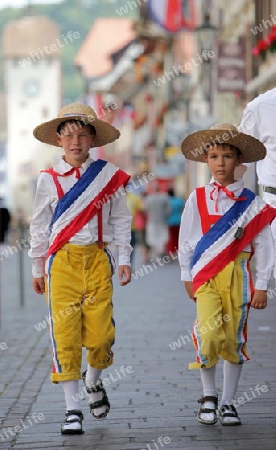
152, 393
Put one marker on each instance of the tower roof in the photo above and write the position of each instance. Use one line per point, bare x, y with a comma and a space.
28, 34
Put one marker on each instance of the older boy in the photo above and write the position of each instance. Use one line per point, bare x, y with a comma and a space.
80, 206
222, 225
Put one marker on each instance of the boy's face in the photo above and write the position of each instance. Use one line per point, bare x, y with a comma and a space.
222, 161
76, 142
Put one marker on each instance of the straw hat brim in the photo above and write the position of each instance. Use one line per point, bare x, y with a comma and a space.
105, 133
195, 145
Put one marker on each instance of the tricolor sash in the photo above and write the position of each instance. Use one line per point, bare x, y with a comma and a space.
79, 205
229, 236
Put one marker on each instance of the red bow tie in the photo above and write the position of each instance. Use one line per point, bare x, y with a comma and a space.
74, 169
229, 194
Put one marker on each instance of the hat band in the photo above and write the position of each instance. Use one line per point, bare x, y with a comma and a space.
74, 114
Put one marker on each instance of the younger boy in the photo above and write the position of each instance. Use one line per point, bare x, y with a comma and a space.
222, 225
80, 206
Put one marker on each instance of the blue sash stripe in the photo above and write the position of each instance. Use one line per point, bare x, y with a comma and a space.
83, 182
226, 222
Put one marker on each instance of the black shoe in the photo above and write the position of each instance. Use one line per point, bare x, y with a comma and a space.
98, 387
72, 416
229, 416
213, 411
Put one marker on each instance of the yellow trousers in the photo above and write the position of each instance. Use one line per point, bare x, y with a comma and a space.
223, 303
79, 295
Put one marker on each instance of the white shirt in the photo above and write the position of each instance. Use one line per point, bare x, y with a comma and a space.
259, 121
191, 233
116, 219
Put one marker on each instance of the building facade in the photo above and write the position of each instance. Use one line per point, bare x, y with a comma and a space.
32, 77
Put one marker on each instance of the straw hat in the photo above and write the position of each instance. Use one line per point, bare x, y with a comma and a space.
105, 133
195, 145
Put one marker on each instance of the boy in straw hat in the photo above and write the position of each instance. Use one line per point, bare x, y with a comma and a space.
79, 207
222, 225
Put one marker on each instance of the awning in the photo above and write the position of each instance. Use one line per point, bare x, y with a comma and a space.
105, 82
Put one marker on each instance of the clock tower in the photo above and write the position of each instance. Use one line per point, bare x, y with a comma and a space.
32, 77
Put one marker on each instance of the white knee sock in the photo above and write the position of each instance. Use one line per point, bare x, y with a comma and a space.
92, 376
71, 392
208, 381
231, 376
209, 388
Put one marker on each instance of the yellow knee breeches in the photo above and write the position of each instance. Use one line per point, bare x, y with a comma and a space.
223, 304
79, 295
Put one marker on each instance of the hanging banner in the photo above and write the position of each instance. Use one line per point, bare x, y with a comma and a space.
173, 15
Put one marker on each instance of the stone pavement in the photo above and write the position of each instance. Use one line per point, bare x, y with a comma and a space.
153, 395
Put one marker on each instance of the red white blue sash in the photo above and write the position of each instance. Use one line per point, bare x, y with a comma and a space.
79, 205
221, 244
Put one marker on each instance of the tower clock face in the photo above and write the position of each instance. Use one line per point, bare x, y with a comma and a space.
31, 87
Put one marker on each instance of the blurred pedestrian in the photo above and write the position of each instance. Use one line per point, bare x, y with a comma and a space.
140, 226
258, 120
20, 226
222, 225
80, 207
5, 219
158, 209
174, 219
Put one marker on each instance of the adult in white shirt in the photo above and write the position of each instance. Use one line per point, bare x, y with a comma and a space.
258, 120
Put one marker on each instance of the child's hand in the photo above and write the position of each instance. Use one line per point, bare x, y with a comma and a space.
259, 300
189, 289
124, 274
39, 285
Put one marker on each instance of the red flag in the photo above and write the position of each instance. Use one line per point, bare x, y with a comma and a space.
173, 15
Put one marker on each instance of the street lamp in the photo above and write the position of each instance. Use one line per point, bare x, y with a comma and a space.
185, 130
207, 46
181, 88
178, 126
207, 43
